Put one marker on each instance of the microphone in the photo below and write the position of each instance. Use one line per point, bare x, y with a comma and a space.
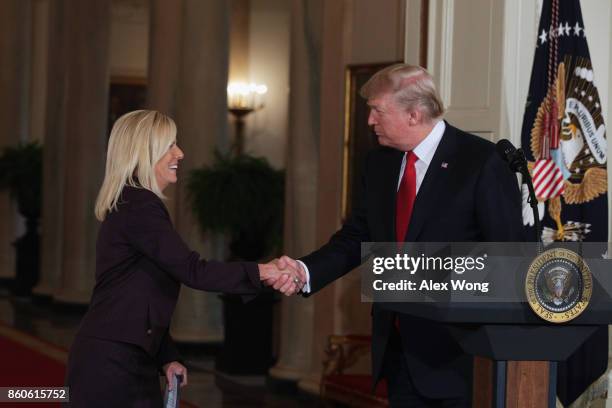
513, 156
518, 164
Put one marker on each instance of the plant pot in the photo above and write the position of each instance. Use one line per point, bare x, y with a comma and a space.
247, 349
27, 259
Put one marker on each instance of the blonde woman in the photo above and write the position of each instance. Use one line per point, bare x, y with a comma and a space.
141, 261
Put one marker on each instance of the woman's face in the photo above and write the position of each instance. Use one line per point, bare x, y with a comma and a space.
167, 166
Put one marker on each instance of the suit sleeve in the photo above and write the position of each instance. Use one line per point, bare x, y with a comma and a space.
150, 230
342, 253
167, 352
498, 209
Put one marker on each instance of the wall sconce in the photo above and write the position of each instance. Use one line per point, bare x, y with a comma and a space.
242, 99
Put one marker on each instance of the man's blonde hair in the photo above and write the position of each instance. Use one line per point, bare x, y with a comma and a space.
137, 142
411, 86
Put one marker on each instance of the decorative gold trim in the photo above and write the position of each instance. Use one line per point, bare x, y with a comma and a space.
350, 98
348, 91
128, 79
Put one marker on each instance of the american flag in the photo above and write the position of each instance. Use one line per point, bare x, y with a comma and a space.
548, 180
562, 40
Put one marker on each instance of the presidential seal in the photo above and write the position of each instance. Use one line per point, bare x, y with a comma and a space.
558, 285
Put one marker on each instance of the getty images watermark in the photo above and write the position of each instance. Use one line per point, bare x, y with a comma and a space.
469, 272
411, 265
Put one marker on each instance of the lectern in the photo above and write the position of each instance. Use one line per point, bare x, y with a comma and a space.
516, 352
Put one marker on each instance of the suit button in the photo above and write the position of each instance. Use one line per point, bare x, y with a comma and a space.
149, 331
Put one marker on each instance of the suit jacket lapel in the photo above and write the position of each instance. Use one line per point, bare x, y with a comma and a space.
430, 191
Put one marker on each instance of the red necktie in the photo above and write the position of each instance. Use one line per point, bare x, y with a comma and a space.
404, 200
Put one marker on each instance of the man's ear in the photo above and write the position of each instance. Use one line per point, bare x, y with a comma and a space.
414, 117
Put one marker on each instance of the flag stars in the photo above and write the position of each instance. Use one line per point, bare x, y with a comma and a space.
591, 160
567, 28
590, 98
587, 151
576, 90
597, 105
560, 30
582, 93
543, 36
577, 29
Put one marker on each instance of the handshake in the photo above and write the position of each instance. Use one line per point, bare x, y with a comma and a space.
284, 274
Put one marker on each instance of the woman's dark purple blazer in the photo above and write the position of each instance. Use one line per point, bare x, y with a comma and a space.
141, 262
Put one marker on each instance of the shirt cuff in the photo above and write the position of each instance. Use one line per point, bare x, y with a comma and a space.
306, 287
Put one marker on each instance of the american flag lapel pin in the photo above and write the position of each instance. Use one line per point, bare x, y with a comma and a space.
444, 165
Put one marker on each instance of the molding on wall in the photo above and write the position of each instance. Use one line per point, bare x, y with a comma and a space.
511, 112
130, 11
446, 51
608, 124
432, 36
128, 76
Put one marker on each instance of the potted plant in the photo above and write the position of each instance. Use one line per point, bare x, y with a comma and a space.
21, 176
242, 196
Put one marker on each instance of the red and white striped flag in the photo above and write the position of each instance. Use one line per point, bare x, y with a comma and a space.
548, 180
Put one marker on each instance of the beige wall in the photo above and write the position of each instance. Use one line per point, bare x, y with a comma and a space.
129, 38
376, 31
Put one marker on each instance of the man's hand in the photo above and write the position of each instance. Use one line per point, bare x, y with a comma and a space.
283, 276
172, 369
286, 263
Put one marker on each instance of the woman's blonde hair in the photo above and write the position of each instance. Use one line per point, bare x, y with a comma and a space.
138, 140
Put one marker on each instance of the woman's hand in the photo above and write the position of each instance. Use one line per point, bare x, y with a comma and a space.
288, 280
175, 368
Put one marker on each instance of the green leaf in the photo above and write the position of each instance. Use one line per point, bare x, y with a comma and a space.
243, 196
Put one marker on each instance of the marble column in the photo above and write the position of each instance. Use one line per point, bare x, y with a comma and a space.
84, 116
327, 317
194, 93
53, 157
297, 314
15, 26
164, 54
165, 33
39, 59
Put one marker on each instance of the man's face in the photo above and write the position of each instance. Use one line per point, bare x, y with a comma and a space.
390, 122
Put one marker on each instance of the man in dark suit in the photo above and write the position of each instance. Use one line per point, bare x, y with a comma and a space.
428, 182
